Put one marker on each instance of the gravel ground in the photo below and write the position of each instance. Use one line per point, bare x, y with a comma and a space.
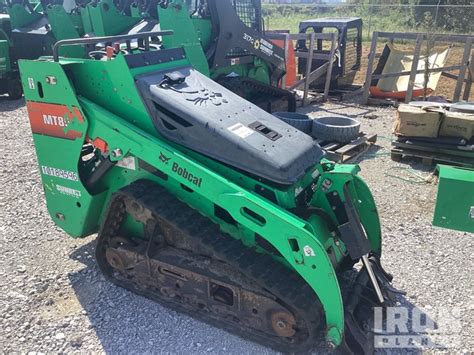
53, 298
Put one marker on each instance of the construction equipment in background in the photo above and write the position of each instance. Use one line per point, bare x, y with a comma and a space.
239, 55
9, 77
29, 31
223, 39
203, 201
348, 50
455, 201
36, 27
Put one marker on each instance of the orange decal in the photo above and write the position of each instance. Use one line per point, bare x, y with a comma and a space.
53, 120
398, 95
100, 144
290, 61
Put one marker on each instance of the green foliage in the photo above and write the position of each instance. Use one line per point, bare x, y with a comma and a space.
456, 18
406, 18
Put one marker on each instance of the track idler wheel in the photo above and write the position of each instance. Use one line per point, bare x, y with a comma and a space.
115, 259
283, 323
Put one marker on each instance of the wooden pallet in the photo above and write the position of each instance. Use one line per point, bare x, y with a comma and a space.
431, 153
343, 152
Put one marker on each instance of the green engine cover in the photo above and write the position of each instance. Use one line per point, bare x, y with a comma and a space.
455, 202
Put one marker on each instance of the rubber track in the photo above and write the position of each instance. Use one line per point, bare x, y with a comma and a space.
274, 277
272, 93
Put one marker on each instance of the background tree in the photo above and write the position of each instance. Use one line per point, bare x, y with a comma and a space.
449, 18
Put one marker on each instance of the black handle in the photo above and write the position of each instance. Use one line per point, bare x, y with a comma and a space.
103, 168
95, 40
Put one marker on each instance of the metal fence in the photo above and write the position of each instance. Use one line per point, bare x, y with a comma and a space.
377, 17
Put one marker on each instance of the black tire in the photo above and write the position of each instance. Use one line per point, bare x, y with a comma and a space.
340, 129
298, 120
14, 89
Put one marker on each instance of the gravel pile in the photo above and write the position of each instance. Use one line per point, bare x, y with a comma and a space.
54, 299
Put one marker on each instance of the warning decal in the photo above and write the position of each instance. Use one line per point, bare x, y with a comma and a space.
240, 130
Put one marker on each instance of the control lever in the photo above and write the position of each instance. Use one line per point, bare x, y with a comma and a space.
355, 223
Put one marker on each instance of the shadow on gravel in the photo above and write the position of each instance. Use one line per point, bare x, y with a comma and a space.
7, 105
401, 328
417, 164
128, 323
124, 322
402, 332
374, 151
98, 298
86, 282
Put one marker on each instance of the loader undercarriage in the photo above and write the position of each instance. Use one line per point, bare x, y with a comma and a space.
187, 264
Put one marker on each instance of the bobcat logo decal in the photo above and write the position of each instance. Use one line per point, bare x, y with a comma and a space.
164, 159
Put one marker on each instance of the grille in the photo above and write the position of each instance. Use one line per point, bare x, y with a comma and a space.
249, 14
353, 50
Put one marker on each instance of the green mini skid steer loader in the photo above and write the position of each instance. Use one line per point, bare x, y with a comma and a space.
203, 201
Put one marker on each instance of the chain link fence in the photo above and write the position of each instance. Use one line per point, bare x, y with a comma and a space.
377, 17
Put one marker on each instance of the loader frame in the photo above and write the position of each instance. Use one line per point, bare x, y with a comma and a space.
114, 118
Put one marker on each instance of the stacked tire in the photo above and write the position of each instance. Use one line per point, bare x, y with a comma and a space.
335, 128
340, 129
298, 120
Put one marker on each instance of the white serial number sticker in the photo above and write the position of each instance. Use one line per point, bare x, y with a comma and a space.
127, 163
68, 191
240, 130
60, 173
